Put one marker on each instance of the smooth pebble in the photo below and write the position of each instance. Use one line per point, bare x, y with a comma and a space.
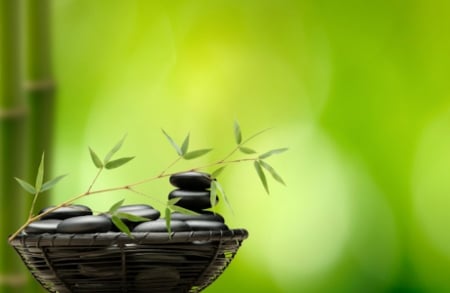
193, 200
160, 226
43, 226
66, 212
191, 180
85, 224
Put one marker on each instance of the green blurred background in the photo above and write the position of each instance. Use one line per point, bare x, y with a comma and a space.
358, 90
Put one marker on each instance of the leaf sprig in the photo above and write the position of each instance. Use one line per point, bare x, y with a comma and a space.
40, 186
117, 218
107, 163
183, 150
217, 192
259, 164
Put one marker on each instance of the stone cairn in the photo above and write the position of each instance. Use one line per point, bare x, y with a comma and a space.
192, 189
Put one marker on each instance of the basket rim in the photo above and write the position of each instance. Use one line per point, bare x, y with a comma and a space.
109, 238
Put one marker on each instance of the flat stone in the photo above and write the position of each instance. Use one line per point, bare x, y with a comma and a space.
133, 207
198, 225
192, 200
144, 212
102, 270
155, 257
66, 212
191, 180
160, 226
203, 216
85, 224
160, 279
43, 226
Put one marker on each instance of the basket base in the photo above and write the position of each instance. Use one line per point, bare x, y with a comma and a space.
113, 262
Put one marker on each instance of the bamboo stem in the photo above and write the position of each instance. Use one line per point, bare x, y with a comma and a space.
40, 96
128, 187
13, 116
39, 87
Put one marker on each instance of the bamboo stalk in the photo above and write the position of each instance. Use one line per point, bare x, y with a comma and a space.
39, 87
13, 116
40, 95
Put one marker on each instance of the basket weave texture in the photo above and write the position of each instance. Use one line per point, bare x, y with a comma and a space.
113, 262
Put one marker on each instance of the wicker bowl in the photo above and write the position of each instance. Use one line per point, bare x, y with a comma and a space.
113, 262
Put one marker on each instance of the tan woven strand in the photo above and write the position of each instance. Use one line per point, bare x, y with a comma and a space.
15, 280
17, 112
40, 85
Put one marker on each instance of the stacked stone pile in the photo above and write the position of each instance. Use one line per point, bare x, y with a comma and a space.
191, 187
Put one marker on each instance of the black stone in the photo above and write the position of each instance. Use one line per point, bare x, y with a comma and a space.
43, 226
66, 212
148, 213
141, 210
85, 224
133, 207
203, 216
162, 279
198, 225
192, 200
160, 226
191, 180
102, 270
144, 211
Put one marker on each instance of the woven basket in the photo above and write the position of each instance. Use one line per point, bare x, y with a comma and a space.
113, 262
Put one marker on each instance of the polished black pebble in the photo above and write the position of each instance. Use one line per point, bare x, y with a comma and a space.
203, 216
101, 270
66, 212
133, 207
198, 225
191, 180
160, 279
160, 226
85, 224
141, 210
192, 200
43, 226
155, 257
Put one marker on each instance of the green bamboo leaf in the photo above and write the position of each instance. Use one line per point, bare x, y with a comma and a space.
114, 150
40, 175
117, 163
185, 145
49, 184
272, 172
217, 172
246, 150
121, 225
255, 135
183, 210
272, 152
131, 217
26, 186
213, 194
95, 159
261, 175
173, 143
168, 217
222, 195
196, 154
173, 201
237, 132
115, 206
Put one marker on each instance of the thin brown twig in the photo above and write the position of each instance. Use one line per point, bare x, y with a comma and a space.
123, 187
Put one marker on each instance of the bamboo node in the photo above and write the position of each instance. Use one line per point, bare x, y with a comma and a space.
17, 112
40, 85
14, 280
